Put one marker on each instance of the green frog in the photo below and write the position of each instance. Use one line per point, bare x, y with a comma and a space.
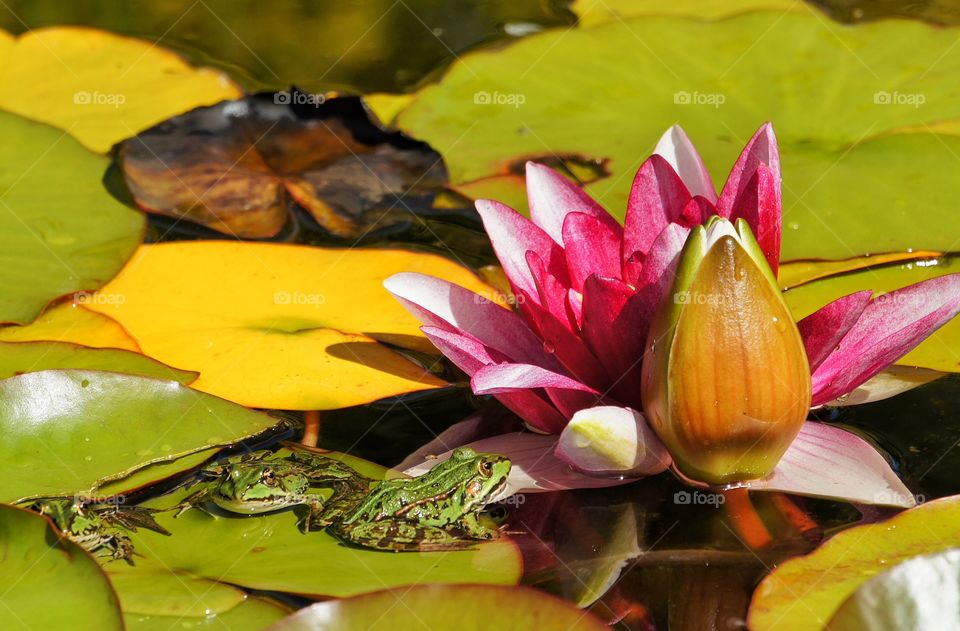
99, 528
439, 510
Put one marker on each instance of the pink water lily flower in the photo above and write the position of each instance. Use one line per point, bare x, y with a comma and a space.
587, 292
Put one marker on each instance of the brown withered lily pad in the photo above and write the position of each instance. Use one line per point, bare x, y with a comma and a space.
238, 166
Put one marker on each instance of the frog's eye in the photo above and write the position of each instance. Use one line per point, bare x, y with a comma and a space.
268, 477
485, 468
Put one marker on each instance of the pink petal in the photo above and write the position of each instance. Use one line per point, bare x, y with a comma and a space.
435, 301
657, 198
822, 330
535, 468
591, 247
552, 291
824, 461
889, 383
609, 440
551, 197
512, 236
470, 356
676, 148
759, 204
564, 345
657, 276
890, 327
615, 329
569, 395
762, 149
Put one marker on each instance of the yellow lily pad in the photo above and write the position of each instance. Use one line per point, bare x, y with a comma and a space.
70, 322
803, 593
278, 326
98, 86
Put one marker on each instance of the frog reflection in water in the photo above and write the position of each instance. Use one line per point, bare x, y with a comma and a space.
439, 510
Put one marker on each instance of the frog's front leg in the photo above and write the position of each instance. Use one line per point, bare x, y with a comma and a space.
311, 516
475, 526
195, 500
401, 536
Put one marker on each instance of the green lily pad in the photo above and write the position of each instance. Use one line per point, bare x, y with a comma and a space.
253, 614
49, 582
803, 593
60, 230
910, 596
268, 552
591, 12
168, 594
473, 607
22, 357
937, 352
835, 93
88, 426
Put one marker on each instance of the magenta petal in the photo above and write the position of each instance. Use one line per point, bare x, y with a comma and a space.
762, 149
512, 236
824, 461
657, 198
659, 268
615, 329
890, 327
508, 377
823, 329
676, 148
435, 301
564, 345
552, 292
759, 204
471, 356
535, 468
591, 246
551, 197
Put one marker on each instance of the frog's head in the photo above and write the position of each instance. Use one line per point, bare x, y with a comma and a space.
484, 476
258, 488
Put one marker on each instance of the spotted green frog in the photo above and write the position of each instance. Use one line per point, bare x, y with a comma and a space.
100, 528
440, 510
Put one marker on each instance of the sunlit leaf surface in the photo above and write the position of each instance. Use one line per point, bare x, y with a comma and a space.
60, 230
278, 326
833, 93
49, 582
85, 426
804, 593
472, 606
21, 357
70, 322
100, 87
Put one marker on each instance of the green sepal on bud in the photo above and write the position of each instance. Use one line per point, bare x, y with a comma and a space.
726, 382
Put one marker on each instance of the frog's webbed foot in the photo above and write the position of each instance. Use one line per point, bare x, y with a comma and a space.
479, 527
399, 536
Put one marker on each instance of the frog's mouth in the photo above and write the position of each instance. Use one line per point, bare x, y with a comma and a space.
496, 491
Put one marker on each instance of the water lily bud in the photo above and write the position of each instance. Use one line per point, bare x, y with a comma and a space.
726, 382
